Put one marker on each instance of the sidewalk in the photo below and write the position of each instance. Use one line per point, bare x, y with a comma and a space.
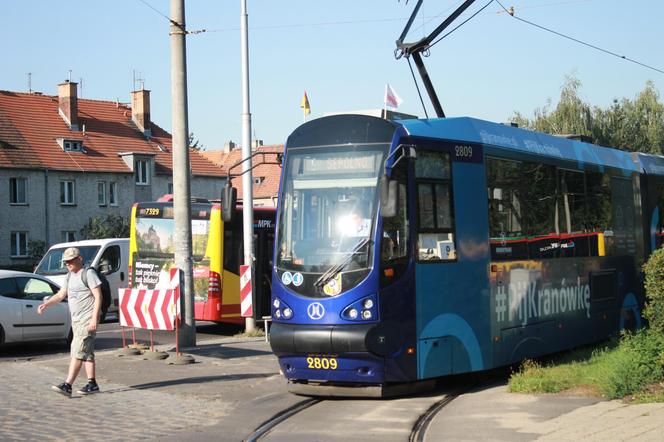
495, 414
235, 385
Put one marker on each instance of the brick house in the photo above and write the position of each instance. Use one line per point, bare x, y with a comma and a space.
266, 177
64, 160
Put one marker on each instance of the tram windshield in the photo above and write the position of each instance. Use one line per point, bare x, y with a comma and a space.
329, 201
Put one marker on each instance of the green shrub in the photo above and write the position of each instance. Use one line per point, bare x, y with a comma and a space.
654, 284
634, 365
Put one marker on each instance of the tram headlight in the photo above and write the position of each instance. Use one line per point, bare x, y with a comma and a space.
276, 303
288, 313
277, 314
363, 309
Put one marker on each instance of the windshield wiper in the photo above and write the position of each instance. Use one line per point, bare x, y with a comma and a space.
335, 269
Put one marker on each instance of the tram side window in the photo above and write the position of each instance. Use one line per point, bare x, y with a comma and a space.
572, 201
536, 211
522, 209
435, 241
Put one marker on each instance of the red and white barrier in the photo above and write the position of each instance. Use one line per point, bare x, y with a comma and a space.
151, 309
246, 307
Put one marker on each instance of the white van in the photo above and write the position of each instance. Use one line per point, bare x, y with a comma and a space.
109, 256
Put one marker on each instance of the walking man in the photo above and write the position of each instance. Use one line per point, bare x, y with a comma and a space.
84, 307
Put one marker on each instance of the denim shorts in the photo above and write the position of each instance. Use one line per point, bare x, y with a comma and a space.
83, 344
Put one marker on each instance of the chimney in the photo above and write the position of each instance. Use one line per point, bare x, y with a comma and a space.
140, 111
228, 146
68, 103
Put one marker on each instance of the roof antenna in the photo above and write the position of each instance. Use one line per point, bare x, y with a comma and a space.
30, 82
138, 79
80, 87
69, 76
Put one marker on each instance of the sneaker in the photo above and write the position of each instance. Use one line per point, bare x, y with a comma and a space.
89, 388
63, 388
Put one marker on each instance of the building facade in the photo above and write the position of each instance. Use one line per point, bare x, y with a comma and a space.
64, 160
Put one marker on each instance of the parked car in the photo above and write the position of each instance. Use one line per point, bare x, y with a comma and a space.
20, 295
109, 256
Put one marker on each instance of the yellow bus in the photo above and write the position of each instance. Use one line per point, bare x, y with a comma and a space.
217, 249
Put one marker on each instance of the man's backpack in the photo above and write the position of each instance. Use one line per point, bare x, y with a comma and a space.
105, 289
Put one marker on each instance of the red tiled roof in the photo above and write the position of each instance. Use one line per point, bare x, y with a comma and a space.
271, 173
30, 126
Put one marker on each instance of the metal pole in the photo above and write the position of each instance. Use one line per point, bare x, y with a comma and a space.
181, 186
247, 180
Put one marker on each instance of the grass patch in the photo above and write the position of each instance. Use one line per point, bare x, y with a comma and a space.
257, 332
630, 367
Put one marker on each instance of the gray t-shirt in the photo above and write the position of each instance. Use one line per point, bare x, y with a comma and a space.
81, 300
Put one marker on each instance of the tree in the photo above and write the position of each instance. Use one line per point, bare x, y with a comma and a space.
194, 143
113, 226
633, 125
36, 250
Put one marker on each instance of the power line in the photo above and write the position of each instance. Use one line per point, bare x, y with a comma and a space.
462, 23
576, 40
173, 22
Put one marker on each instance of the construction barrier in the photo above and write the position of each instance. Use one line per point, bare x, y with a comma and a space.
246, 306
157, 309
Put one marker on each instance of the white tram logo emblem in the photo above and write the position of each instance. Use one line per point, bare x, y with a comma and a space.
316, 310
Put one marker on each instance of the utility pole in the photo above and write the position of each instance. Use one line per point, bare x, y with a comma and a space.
181, 185
247, 180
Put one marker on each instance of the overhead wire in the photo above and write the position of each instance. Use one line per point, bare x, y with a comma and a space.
576, 40
462, 23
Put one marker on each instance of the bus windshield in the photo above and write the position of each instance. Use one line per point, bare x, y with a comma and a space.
328, 208
155, 253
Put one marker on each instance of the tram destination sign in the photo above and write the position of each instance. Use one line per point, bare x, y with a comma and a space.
356, 163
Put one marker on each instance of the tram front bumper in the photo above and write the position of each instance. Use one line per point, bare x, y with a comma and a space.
334, 353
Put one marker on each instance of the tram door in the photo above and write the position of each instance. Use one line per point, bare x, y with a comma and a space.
451, 258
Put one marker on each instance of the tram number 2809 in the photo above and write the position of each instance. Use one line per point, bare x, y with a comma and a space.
322, 363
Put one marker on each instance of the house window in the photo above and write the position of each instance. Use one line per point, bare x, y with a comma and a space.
141, 172
101, 193
18, 191
68, 236
113, 194
67, 192
72, 146
19, 244
258, 180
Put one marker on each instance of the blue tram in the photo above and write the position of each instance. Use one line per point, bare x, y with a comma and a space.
414, 249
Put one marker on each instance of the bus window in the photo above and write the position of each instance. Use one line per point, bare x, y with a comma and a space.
233, 247
435, 240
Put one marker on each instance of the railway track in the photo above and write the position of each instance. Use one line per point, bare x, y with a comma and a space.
418, 431
278, 418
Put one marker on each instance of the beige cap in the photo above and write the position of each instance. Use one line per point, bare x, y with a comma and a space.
71, 253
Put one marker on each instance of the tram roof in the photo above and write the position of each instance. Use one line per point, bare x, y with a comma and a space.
652, 164
524, 141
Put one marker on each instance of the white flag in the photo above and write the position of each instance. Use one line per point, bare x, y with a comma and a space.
391, 97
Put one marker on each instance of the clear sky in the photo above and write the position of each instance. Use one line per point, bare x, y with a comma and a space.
340, 52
